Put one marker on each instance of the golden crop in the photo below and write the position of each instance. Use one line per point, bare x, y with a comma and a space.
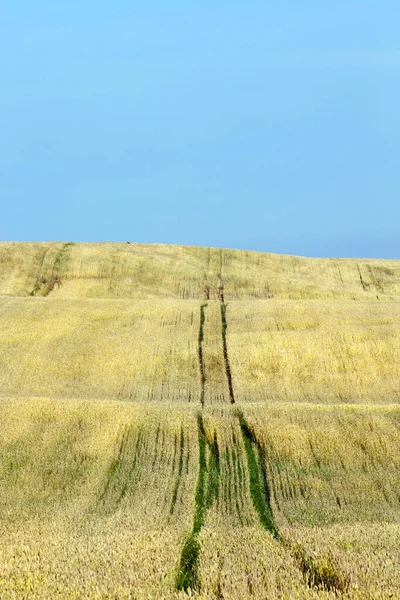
330, 464
315, 351
179, 420
116, 349
111, 270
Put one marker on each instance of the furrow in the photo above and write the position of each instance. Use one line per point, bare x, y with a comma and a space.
180, 469
44, 286
207, 490
224, 327
201, 355
259, 489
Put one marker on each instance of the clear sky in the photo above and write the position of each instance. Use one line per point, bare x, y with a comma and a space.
266, 125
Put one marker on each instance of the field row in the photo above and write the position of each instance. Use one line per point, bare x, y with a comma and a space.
272, 504
111, 270
148, 351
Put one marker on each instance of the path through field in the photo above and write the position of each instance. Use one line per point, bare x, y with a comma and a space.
193, 421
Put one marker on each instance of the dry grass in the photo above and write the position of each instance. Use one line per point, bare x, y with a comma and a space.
43, 563
331, 464
22, 265
97, 499
258, 275
291, 493
305, 351
314, 351
131, 350
115, 270
106, 270
92, 458
248, 563
344, 347
365, 554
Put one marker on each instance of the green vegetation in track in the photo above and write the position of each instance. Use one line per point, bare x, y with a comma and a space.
292, 492
206, 492
318, 571
232, 504
332, 464
214, 471
121, 473
224, 327
188, 565
187, 575
259, 488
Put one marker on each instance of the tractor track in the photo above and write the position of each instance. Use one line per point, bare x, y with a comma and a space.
180, 470
224, 328
200, 354
44, 286
318, 572
207, 491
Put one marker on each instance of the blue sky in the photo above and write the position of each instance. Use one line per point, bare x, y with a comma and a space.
270, 126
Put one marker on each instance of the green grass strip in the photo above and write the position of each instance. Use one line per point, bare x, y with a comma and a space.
207, 490
259, 489
224, 327
200, 498
188, 565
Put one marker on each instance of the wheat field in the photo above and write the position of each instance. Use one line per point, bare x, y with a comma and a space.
184, 421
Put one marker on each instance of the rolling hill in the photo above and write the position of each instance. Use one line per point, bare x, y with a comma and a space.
194, 420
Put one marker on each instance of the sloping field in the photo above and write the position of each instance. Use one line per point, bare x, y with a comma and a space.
133, 350
76, 270
100, 499
301, 351
95, 497
315, 351
179, 420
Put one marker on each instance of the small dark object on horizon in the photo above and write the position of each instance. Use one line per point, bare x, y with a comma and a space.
128, 242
